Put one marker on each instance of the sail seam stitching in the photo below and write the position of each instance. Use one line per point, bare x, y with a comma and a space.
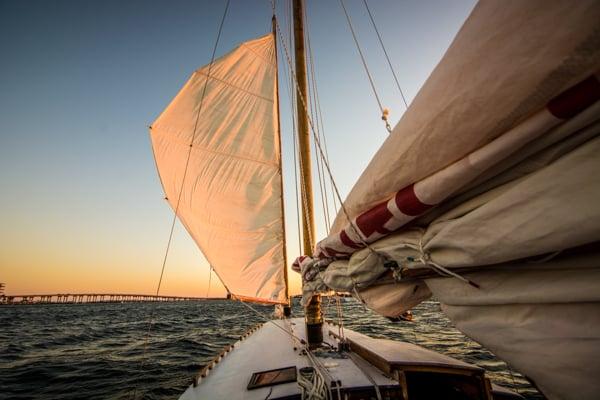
234, 86
258, 55
201, 148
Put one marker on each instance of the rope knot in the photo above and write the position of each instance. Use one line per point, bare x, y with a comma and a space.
385, 114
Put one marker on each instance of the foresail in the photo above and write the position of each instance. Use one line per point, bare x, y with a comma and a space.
231, 188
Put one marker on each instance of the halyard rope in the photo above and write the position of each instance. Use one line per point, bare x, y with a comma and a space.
313, 93
385, 52
319, 147
384, 111
209, 279
267, 319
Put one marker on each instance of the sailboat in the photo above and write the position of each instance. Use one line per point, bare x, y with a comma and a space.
485, 195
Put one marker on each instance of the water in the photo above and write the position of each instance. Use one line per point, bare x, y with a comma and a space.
95, 351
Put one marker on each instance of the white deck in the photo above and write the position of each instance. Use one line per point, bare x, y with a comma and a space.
270, 347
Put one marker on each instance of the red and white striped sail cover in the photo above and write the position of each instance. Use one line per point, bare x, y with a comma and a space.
496, 162
416, 198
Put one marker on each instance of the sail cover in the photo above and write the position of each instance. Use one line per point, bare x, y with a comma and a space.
486, 195
231, 190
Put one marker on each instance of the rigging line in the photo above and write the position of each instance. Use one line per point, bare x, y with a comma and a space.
290, 69
298, 218
320, 173
318, 104
296, 183
292, 108
319, 147
322, 132
210, 268
340, 315
267, 319
321, 180
315, 111
303, 192
187, 162
384, 112
319, 113
385, 52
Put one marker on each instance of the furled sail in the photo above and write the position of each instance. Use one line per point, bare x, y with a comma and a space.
486, 195
231, 190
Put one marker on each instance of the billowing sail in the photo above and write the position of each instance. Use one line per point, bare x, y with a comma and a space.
231, 187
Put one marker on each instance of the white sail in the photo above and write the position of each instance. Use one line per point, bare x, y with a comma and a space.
231, 200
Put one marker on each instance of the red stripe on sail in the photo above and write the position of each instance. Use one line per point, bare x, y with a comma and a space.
374, 220
348, 242
576, 99
334, 253
408, 202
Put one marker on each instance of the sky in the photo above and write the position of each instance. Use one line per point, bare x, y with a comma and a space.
81, 205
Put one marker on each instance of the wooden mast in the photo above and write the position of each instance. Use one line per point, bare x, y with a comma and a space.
312, 312
287, 309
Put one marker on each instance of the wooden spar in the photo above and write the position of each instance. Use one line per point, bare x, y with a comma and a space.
314, 320
287, 310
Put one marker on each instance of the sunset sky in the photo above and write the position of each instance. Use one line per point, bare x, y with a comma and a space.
82, 208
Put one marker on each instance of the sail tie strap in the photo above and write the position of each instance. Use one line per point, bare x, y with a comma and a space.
443, 270
425, 260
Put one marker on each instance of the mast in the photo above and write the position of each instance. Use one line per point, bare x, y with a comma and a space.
312, 312
287, 309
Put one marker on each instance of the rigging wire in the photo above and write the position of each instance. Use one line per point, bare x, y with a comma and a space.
267, 319
387, 57
210, 268
317, 115
340, 315
302, 179
384, 111
187, 162
320, 148
291, 96
320, 177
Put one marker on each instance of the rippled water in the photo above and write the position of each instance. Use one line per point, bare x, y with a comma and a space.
95, 351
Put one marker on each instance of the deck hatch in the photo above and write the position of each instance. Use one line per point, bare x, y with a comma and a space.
272, 377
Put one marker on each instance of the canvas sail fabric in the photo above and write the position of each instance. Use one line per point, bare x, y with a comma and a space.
507, 61
231, 195
493, 175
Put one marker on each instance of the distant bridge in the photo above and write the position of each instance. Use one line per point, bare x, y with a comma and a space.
68, 298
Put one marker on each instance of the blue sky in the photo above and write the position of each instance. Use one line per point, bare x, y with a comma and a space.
82, 208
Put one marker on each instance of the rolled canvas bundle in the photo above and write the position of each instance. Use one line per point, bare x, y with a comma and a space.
487, 195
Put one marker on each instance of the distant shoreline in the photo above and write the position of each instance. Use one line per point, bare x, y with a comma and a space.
95, 298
